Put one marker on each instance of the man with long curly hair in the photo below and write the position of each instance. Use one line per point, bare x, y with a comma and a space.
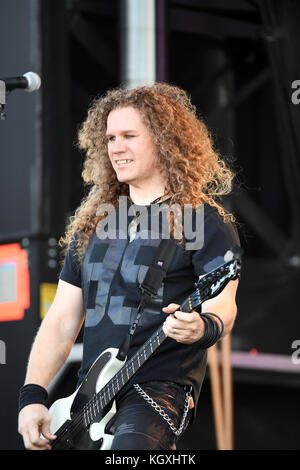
147, 148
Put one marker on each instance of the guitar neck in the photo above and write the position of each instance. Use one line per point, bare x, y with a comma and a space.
110, 390
136, 361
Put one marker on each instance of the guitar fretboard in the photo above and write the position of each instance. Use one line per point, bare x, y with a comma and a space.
110, 390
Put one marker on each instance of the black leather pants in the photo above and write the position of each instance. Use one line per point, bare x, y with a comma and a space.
138, 426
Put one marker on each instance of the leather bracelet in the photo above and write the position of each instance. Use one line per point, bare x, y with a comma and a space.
220, 320
32, 394
212, 333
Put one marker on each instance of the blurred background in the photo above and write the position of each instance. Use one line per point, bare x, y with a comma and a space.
239, 61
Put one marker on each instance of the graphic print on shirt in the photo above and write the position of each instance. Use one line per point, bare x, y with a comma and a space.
113, 270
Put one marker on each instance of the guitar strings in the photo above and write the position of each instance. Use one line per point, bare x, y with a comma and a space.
75, 426
78, 420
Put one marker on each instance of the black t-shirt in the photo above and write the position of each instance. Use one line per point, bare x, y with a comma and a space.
110, 275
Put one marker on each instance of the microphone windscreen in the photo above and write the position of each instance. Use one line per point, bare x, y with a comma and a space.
34, 81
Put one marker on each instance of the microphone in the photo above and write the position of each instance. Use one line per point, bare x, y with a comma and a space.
30, 81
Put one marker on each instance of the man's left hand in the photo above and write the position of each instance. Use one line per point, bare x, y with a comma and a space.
184, 327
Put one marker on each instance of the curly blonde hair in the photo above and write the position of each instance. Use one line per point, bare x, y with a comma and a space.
195, 173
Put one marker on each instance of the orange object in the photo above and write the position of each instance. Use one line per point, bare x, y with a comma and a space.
192, 404
14, 282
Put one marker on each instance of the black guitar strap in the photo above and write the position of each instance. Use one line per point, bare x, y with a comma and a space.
149, 287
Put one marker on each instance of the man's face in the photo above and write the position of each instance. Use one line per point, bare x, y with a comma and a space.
131, 149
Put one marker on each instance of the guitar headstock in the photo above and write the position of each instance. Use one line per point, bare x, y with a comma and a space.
212, 283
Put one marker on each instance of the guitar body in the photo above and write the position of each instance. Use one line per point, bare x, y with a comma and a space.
68, 420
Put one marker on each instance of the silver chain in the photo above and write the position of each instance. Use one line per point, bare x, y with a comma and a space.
164, 415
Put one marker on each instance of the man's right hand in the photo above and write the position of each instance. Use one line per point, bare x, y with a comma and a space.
34, 422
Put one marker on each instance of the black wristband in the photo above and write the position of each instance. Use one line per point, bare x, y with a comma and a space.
220, 332
212, 332
32, 393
